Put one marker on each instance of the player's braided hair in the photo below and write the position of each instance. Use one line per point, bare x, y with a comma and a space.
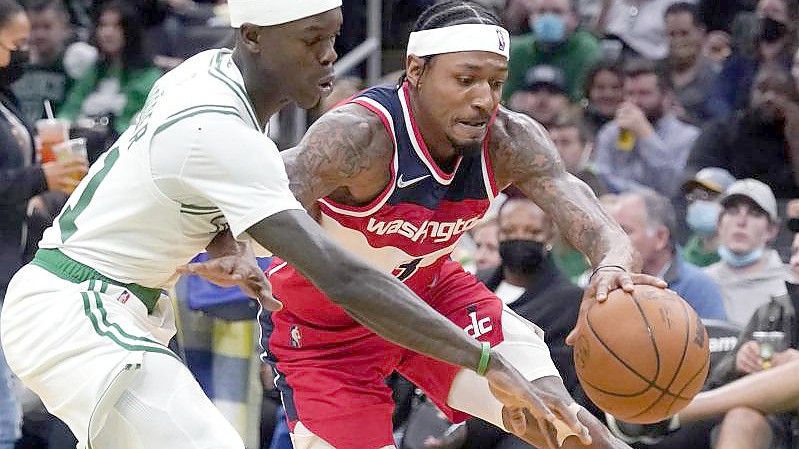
453, 12
8, 9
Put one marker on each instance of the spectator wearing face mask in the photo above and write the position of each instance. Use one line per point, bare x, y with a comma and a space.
702, 193
769, 38
532, 286
556, 41
750, 272
649, 219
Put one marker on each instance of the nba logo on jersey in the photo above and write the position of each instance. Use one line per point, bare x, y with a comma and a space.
124, 297
295, 337
501, 40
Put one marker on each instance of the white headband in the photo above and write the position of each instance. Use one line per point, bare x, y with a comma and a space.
466, 37
275, 12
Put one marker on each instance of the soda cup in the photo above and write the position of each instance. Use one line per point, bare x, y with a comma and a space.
626, 140
49, 133
71, 149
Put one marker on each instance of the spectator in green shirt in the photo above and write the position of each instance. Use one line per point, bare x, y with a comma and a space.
118, 84
702, 193
554, 41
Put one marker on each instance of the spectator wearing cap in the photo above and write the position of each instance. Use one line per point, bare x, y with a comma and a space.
761, 141
702, 193
750, 272
649, 220
543, 96
555, 40
645, 145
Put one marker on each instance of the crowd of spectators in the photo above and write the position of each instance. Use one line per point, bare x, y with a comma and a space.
681, 115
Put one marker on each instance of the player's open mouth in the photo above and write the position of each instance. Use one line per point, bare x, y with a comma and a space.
476, 125
326, 84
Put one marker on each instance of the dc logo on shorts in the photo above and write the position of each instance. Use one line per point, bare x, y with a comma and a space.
296, 338
479, 326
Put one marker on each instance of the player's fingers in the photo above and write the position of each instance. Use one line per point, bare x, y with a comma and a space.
549, 432
645, 279
602, 288
268, 302
625, 282
569, 416
518, 421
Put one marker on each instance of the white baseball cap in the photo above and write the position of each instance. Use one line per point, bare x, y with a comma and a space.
756, 191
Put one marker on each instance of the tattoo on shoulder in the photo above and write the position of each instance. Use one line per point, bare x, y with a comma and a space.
338, 147
523, 150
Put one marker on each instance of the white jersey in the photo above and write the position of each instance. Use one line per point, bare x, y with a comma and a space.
195, 163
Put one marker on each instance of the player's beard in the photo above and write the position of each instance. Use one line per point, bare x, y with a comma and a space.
467, 149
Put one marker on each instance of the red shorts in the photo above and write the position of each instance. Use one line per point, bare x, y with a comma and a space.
332, 375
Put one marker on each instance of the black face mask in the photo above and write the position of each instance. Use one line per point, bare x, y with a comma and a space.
521, 256
793, 224
15, 68
772, 30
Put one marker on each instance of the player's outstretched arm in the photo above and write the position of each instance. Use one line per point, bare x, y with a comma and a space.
525, 156
386, 306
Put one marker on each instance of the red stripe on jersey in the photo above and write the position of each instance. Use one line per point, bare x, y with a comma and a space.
414, 229
417, 135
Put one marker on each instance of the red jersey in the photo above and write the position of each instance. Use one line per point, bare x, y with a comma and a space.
411, 228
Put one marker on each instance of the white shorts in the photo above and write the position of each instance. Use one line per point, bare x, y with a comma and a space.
100, 363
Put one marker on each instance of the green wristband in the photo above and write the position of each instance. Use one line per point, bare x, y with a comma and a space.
485, 355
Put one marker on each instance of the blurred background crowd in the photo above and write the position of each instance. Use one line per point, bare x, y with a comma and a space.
682, 116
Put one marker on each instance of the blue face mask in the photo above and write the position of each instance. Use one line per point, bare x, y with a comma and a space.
740, 260
549, 28
702, 216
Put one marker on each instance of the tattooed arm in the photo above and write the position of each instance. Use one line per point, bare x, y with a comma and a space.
524, 155
346, 153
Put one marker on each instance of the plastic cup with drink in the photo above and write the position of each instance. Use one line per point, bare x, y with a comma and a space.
770, 343
72, 149
50, 132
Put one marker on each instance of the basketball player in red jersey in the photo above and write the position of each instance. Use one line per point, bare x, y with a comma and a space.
396, 176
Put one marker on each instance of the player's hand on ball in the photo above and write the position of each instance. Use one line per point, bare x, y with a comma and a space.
527, 401
603, 281
237, 270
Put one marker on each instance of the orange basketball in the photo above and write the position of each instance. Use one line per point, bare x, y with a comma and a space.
643, 356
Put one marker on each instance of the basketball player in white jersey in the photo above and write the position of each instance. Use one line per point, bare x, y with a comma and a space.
85, 325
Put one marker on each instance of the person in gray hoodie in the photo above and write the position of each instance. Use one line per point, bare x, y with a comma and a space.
750, 272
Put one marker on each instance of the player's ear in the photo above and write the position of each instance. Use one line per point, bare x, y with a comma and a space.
250, 37
414, 68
